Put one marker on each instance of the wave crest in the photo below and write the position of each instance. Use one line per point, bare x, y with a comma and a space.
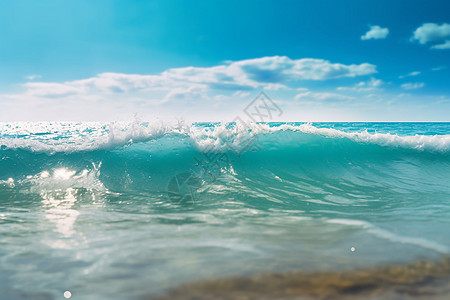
73, 137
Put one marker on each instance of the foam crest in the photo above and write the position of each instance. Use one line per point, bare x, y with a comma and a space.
72, 137
225, 136
419, 142
240, 135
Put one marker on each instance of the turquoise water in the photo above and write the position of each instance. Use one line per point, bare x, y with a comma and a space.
130, 210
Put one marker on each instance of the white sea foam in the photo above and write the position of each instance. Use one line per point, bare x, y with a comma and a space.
63, 178
418, 142
241, 135
72, 137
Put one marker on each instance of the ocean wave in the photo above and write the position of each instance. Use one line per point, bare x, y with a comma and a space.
74, 137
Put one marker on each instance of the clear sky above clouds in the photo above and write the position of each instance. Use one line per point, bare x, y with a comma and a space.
205, 60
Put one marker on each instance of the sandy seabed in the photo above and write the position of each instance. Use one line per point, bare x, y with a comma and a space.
417, 280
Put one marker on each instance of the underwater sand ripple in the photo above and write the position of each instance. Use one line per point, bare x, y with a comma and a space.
417, 280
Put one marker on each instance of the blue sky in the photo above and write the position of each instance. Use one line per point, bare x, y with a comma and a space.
205, 60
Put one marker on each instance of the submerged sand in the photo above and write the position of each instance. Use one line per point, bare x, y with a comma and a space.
417, 280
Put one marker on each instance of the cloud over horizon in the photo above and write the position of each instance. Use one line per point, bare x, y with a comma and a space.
270, 72
213, 92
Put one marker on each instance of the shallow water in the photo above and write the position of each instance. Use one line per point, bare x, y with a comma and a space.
132, 210
418, 280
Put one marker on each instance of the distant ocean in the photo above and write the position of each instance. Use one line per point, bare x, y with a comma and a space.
136, 210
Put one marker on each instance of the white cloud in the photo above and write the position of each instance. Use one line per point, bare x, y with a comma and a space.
413, 86
50, 89
302, 89
321, 96
433, 33
376, 32
373, 82
281, 69
439, 68
271, 73
184, 91
191, 93
275, 87
445, 45
105, 83
415, 73
363, 86
241, 94
33, 77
